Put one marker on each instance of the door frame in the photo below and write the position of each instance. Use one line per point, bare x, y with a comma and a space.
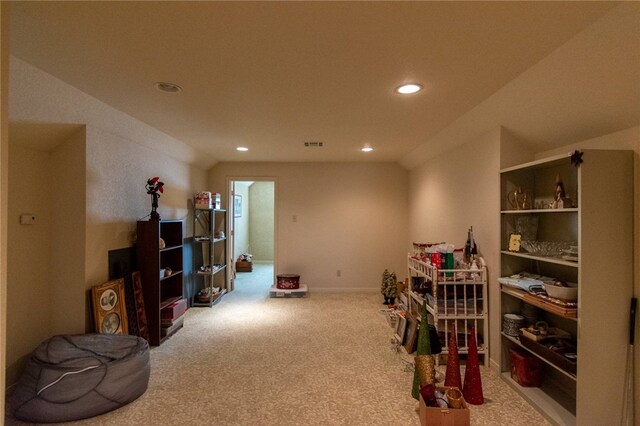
231, 180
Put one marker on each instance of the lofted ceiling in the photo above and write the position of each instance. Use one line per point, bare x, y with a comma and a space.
272, 75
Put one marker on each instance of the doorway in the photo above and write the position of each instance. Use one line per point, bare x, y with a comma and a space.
252, 231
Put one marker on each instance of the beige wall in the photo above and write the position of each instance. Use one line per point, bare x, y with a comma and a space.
99, 191
262, 220
349, 217
68, 242
456, 190
29, 274
241, 235
4, 181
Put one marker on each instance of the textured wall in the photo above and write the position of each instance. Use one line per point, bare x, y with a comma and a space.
456, 190
262, 220
348, 216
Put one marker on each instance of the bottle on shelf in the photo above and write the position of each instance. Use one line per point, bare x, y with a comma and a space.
470, 247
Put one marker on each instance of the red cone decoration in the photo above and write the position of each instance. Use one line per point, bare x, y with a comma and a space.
472, 389
452, 377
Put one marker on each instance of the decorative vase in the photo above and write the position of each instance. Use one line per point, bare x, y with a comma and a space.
154, 215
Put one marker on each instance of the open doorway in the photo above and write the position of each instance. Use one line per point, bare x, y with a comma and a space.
252, 223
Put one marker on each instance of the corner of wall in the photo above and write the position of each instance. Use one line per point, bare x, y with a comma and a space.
4, 163
513, 149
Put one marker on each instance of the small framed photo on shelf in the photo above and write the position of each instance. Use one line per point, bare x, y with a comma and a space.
109, 309
514, 242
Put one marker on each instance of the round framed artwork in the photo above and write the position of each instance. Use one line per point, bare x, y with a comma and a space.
110, 323
108, 300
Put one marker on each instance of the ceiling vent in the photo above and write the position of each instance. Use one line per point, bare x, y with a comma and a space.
314, 144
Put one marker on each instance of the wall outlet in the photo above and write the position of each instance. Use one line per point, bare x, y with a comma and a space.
27, 219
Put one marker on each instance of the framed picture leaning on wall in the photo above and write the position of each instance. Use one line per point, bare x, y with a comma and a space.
109, 309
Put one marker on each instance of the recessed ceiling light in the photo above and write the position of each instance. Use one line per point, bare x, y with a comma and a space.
168, 87
407, 89
242, 148
366, 148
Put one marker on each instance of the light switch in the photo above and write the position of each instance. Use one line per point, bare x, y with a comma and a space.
27, 219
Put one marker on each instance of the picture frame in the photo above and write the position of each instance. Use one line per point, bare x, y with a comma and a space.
109, 307
237, 206
514, 242
141, 313
401, 327
412, 334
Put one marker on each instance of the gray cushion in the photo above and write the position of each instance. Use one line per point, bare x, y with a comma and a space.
71, 377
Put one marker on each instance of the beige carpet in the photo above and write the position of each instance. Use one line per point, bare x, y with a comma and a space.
321, 360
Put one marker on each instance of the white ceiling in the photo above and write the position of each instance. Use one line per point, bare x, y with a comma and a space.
271, 75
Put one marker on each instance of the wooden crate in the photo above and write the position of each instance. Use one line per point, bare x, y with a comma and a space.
244, 266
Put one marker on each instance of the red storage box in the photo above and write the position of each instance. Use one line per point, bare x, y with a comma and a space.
288, 281
526, 369
173, 310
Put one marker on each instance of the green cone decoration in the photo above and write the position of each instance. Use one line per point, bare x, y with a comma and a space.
424, 348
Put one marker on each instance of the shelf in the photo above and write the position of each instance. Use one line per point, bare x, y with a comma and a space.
532, 299
546, 361
210, 251
553, 260
211, 210
468, 310
166, 277
568, 210
167, 302
212, 272
171, 248
209, 304
208, 240
547, 403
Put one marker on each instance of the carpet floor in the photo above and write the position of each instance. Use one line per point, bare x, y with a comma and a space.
325, 359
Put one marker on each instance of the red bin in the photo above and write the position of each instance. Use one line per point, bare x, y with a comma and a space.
526, 369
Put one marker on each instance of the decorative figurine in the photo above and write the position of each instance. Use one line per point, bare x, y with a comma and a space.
153, 187
560, 199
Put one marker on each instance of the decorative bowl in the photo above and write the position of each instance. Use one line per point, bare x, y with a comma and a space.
545, 248
567, 293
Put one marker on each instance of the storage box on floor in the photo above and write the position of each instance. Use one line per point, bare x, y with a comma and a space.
436, 416
244, 266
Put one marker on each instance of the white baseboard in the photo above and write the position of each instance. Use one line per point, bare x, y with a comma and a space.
343, 289
493, 365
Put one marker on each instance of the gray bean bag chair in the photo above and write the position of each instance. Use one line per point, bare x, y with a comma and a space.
72, 377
